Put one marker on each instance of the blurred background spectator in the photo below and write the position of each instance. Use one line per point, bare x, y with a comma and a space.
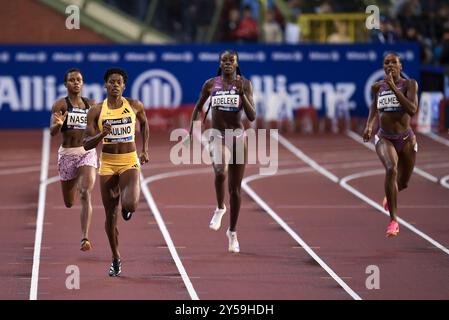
444, 55
287, 21
248, 29
272, 31
341, 33
386, 34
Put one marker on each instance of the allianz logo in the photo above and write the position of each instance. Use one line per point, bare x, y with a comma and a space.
259, 56
4, 57
275, 89
361, 55
209, 56
177, 56
140, 57
103, 56
324, 56
37, 93
68, 56
31, 57
286, 56
156, 88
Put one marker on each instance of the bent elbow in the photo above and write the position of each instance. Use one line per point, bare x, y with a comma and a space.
251, 116
86, 145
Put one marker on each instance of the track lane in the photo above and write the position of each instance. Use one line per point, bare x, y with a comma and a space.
270, 266
19, 176
148, 272
365, 240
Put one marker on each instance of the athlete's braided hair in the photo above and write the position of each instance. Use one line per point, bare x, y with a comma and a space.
66, 74
233, 53
399, 57
116, 70
219, 74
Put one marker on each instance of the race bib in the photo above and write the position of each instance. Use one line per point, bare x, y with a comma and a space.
388, 102
77, 119
226, 101
121, 130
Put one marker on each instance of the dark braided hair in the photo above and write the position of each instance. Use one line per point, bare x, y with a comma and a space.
233, 53
66, 75
119, 71
219, 74
399, 57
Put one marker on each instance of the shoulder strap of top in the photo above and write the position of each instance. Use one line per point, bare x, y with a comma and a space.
86, 102
69, 104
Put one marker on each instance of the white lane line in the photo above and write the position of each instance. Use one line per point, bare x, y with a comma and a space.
40, 212
278, 219
374, 204
163, 227
301, 155
289, 230
344, 184
435, 166
437, 138
444, 181
20, 170
356, 137
156, 213
170, 244
198, 206
52, 180
19, 207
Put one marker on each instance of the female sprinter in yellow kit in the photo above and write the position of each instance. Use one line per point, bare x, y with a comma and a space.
113, 122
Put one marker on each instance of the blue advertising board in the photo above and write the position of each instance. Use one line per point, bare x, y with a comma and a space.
284, 77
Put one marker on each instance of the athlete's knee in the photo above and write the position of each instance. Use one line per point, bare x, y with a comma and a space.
220, 174
234, 191
391, 170
85, 194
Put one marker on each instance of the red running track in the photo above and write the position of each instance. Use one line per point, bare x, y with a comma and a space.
345, 233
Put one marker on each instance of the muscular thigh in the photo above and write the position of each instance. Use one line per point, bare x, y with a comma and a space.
129, 183
220, 156
87, 177
386, 153
237, 169
407, 158
109, 186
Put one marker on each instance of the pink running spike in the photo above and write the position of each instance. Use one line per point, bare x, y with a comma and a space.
392, 229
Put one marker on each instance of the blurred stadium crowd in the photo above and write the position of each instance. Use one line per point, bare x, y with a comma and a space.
245, 21
158, 35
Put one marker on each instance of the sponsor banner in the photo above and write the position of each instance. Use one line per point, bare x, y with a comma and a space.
334, 79
428, 113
